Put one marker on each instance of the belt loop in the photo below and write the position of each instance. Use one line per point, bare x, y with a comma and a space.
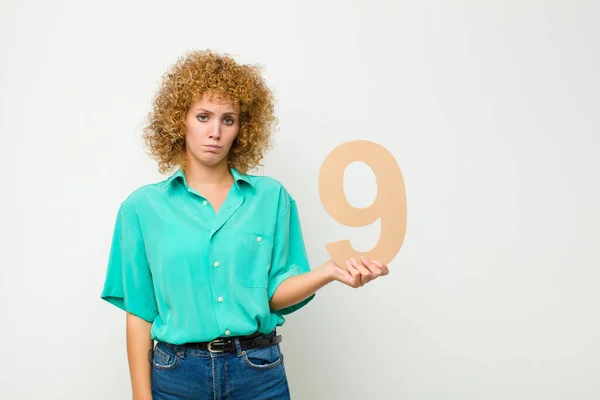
181, 350
238, 347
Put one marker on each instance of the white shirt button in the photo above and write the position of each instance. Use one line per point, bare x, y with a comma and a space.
204, 202
216, 264
259, 239
220, 299
228, 332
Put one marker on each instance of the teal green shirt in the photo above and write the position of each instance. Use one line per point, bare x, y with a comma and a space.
196, 274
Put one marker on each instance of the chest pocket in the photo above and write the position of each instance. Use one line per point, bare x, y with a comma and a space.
254, 251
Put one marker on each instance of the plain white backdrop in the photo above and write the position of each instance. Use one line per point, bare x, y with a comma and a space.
490, 108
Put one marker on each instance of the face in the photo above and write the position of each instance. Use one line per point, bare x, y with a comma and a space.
211, 127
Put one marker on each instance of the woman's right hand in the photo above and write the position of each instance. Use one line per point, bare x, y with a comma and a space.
139, 344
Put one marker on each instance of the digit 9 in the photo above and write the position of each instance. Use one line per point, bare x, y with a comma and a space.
389, 205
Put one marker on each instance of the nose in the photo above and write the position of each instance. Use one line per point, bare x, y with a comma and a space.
215, 131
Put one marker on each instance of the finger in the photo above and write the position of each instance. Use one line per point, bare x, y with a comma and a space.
384, 268
343, 275
356, 279
373, 268
374, 271
364, 272
354, 275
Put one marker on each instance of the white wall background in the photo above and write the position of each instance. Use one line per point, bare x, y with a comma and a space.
490, 108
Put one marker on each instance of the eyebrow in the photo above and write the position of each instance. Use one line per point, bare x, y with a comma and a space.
210, 112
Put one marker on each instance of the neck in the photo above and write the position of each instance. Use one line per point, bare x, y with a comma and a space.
198, 175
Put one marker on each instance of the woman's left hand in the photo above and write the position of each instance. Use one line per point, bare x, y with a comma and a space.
359, 273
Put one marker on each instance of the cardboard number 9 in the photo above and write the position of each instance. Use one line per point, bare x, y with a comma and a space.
389, 204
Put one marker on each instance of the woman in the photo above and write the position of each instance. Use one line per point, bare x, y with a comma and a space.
209, 261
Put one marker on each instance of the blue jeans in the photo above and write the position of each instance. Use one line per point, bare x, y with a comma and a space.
180, 373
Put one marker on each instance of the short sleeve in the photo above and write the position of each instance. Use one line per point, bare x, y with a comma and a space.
289, 254
128, 284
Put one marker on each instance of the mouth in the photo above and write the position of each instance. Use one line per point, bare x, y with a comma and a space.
212, 146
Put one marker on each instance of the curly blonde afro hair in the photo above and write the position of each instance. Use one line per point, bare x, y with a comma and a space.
198, 73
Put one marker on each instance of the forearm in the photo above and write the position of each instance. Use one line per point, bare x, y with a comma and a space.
297, 288
139, 344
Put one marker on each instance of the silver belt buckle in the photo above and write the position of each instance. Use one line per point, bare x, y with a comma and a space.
209, 347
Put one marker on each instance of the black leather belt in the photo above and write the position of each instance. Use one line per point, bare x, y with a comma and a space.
220, 345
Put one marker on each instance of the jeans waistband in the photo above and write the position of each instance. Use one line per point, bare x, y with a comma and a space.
235, 347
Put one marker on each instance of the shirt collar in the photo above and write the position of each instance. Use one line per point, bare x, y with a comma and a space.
237, 176
178, 174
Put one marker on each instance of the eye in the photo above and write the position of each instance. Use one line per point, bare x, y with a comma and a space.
228, 120
202, 117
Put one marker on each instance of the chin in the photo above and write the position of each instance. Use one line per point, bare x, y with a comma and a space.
210, 160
